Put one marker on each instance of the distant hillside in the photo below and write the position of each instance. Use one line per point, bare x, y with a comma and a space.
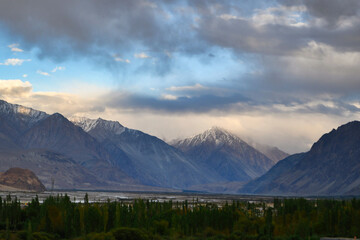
271, 152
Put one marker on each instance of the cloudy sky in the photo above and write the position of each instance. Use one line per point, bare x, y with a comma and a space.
281, 72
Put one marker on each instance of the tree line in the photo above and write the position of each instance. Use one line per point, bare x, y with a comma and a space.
57, 217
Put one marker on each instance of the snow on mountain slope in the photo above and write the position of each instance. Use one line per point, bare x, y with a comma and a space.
215, 135
150, 159
225, 155
107, 127
28, 115
15, 120
85, 123
58, 134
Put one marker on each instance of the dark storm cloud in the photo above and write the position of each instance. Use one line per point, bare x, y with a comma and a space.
225, 100
337, 109
330, 10
99, 29
224, 104
242, 35
292, 64
96, 29
197, 103
65, 28
305, 61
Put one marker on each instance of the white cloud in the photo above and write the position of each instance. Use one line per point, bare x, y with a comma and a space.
14, 62
169, 97
195, 87
141, 55
21, 92
148, 4
53, 71
321, 65
58, 69
230, 17
24, 75
168, 54
14, 87
119, 59
43, 73
15, 47
290, 16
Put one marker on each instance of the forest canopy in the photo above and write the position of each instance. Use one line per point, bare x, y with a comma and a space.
60, 218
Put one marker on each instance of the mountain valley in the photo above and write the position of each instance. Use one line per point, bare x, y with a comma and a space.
82, 153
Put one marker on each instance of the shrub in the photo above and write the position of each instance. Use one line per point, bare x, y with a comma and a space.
100, 236
21, 235
44, 236
129, 234
161, 227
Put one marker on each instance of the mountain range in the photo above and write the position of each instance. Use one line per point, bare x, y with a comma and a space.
53, 147
97, 154
142, 156
81, 153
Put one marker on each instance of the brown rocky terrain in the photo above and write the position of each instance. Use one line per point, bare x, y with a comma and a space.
21, 179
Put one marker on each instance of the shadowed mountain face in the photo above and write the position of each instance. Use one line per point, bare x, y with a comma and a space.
48, 165
53, 147
14, 121
225, 156
331, 167
58, 134
148, 159
267, 182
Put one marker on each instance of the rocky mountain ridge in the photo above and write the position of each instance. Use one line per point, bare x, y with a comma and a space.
331, 167
145, 157
53, 147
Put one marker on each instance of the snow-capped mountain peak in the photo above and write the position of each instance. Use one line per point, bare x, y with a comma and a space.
85, 123
214, 135
29, 115
225, 155
217, 133
88, 124
113, 126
